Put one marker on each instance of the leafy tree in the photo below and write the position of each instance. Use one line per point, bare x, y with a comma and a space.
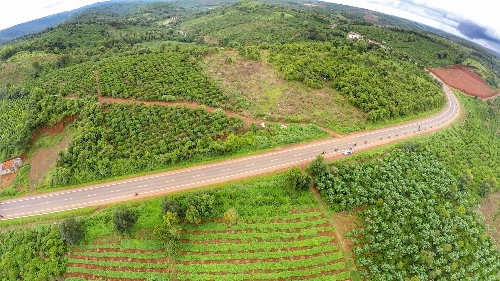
231, 215
297, 179
124, 219
170, 204
487, 186
318, 167
204, 203
71, 231
192, 215
465, 179
169, 233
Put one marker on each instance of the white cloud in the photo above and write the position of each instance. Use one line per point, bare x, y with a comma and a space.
19, 11
442, 14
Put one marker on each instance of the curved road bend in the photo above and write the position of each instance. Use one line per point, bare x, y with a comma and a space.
224, 171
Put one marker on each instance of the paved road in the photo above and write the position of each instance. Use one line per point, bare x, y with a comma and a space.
224, 171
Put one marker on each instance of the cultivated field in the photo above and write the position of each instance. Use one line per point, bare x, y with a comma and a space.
281, 234
300, 246
462, 79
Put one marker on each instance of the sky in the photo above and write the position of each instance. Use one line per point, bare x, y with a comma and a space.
20, 11
475, 20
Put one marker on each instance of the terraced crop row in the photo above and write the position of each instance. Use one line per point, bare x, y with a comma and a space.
108, 263
299, 246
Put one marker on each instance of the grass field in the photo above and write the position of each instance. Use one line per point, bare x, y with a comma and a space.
281, 234
262, 92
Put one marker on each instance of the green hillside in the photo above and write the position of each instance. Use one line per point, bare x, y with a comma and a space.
147, 86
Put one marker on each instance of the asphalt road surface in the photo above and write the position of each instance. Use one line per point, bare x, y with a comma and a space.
224, 171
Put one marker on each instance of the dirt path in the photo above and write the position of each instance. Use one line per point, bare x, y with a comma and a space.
339, 233
247, 120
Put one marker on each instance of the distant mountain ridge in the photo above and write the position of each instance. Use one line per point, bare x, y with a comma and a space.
34, 26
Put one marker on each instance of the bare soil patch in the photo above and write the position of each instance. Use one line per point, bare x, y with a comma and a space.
120, 259
370, 17
459, 77
52, 130
490, 208
42, 160
7, 179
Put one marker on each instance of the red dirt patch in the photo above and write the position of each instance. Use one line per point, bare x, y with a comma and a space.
459, 77
52, 130
120, 259
7, 179
370, 17
42, 160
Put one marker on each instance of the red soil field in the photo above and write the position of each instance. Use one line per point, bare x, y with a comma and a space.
370, 17
460, 78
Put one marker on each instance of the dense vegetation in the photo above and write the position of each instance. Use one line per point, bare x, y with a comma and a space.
75, 80
380, 86
166, 76
13, 115
114, 140
251, 22
423, 48
416, 223
471, 149
32, 254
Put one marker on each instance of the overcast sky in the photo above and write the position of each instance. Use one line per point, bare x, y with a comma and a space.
14, 12
476, 20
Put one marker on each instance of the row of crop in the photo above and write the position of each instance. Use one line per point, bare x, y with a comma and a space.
162, 76
96, 254
124, 245
124, 263
271, 236
270, 227
305, 253
269, 246
311, 218
283, 275
283, 265
116, 274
